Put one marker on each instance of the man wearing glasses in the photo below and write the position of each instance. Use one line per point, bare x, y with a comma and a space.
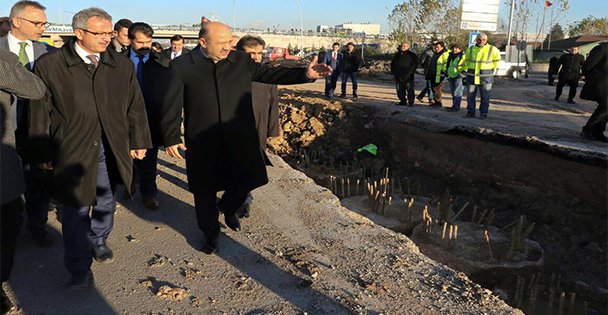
87, 133
28, 22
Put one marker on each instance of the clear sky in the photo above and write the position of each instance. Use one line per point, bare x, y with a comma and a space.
282, 14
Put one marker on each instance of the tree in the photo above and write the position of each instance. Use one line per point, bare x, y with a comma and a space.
557, 33
589, 26
421, 20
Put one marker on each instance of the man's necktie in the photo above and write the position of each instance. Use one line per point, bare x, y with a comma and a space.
140, 71
334, 56
94, 60
23, 59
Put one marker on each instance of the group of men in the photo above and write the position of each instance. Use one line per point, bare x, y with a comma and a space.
475, 67
88, 116
345, 65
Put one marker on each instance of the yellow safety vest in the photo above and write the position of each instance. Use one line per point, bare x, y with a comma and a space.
481, 62
442, 65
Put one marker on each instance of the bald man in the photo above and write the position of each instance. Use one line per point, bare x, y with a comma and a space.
213, 86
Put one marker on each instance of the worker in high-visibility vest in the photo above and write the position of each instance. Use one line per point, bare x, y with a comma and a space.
455, 64
439, 64
481, 62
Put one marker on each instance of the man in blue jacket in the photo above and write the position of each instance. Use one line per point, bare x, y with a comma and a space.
334, 60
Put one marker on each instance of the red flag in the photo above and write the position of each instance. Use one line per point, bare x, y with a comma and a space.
548, 3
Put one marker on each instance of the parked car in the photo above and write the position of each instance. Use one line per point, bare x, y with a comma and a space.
511, 69
277, 53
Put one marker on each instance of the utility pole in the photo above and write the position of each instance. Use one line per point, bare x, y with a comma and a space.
508, 53
550, 31
233, 14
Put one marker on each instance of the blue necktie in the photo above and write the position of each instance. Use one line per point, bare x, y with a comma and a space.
140, 71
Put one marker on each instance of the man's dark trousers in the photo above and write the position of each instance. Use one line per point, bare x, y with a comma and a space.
37, 197
81, 230
405, 91
353, 78
330, 83
596, 124
573, 84
207, 209
11, 219
146, 171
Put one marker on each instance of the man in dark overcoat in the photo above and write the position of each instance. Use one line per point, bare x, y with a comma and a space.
569, 73
403, 68
86, 132
152, 77
213, 86
265, 99
595, 70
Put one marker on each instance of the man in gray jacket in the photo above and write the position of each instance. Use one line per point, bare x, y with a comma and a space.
28, 22
15, 81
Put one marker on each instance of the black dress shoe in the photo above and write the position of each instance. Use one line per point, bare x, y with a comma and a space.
571, 102
244, 210
102, 253
587, 135
81, 281
469, 115
232, 221
452, 109
7, 305
151, 203
41, 237
599, 136
210, 246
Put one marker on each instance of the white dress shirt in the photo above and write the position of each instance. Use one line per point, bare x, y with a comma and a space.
14, 47
83, 53
175, 54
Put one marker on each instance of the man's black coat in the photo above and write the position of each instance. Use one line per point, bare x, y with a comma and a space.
220, 134
403, 65
66, 125
571, 65
595, 70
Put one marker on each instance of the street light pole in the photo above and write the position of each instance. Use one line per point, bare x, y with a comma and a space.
301, 26
233, 14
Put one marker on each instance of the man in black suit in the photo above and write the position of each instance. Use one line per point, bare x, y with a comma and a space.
177, 49
28, 21
595, 70
151, 76
120, 37
223, 145
569, 73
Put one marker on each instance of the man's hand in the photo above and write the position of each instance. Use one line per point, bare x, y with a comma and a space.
138, 154
173, 150
48, 166
316, 70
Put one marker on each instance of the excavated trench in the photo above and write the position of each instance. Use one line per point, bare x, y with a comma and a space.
531, 220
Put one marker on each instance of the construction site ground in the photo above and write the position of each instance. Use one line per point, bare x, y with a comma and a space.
301, 251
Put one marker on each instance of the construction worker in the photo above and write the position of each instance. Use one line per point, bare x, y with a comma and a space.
439, 64
481, 62
455, 64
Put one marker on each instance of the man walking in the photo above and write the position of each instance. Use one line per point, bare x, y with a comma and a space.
569, 73
151, 76
333, 59
15, 81
28, 21
265, 99
595, 70
481, 61
223, 144
351, 62
87, 132
403, 67
175, 50
120, 37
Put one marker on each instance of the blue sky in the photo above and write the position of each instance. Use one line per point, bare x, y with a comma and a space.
265, 13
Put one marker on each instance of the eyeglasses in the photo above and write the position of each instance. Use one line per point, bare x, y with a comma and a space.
99, 34
36, 23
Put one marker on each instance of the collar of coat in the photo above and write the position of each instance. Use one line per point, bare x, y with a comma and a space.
198, 56
72, 58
